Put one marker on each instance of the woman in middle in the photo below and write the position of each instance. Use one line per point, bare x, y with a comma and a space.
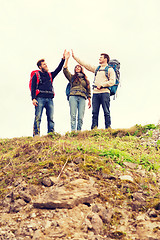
79, 92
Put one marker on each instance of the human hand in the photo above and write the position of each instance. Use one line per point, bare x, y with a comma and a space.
67, 55
72, 53
89, 103
99, 86
35, 102
64, 54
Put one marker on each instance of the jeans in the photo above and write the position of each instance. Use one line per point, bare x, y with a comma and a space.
76, 103
48, 104
97, 100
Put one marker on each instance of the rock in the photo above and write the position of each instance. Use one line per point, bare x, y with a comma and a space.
145, 230
151, 140
126, 178
54, 180
130, 165
33, 190
77, 160
142, 172
17, 205
77, 192
95, 208
157, 207
138, 196
25, 196
97, 224
48, 224
105, 214
33, 225
6, 204
107, 176
56, 235
33, 215
117, 235
88, 224
7, 235
152, 213
136, 205
47, 182
38, 235
142, 217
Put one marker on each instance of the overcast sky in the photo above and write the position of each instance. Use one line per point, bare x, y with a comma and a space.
125, 29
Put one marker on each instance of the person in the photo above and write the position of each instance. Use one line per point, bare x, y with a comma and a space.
46, 94
79, 92
101, 93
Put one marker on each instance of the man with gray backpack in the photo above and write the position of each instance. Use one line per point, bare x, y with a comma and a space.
105, 84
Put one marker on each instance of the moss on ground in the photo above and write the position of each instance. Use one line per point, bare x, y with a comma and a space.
99, 153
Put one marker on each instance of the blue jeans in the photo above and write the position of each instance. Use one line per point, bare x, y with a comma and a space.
104, 100
48, 104
76, 103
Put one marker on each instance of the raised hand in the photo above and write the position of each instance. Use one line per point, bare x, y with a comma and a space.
64, 53
72, 53
67, 55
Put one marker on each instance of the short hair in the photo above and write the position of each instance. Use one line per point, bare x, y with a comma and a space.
106, 56
39, 62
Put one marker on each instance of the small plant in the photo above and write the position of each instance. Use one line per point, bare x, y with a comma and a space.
158, 143
54, 135
72, 134
150, 133
143, 129
117, 155
100, 168
144, 187
144, 161
149, 126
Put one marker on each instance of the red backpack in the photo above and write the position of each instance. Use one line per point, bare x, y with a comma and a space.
38, 80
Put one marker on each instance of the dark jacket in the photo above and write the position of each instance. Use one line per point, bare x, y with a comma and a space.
45, 84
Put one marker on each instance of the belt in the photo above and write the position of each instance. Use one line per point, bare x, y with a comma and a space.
94, 86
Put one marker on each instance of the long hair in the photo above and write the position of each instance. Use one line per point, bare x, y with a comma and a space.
76, 77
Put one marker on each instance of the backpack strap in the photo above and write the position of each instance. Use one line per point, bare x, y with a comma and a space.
106, 70
106, 73
38, 77
51, 82
72, 80
50, 77
97, 69
39, 80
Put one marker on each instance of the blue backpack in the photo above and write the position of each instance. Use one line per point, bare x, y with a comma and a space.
68, 89
115, 64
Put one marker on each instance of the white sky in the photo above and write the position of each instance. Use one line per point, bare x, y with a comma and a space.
125, 29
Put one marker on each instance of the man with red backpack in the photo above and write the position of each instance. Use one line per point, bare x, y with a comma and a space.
42, 93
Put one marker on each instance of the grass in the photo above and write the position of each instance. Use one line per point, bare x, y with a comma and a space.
100, 151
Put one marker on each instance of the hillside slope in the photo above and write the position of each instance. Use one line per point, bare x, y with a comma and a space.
99, 184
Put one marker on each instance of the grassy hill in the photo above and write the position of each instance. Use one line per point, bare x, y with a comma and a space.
122, 162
